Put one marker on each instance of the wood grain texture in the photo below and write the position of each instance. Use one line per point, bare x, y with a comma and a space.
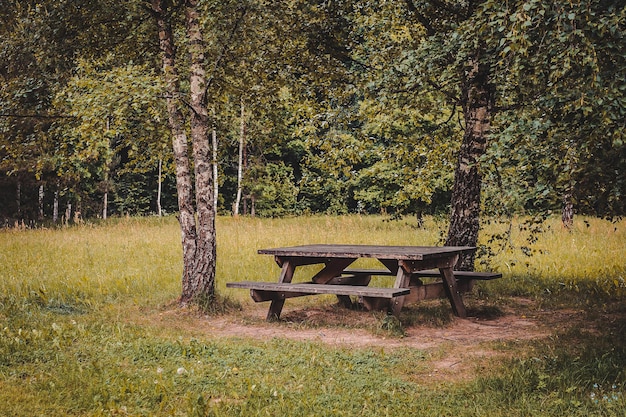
410, 253
307, 288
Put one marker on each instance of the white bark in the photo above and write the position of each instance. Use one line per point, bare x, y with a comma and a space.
159, 186
55, 206
215, 184
41, 198
242, 140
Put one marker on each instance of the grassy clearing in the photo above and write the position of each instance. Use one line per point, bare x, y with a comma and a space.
67, 346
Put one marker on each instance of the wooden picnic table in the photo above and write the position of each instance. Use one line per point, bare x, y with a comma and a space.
407, 263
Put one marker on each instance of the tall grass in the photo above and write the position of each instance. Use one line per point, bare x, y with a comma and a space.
139, 260
67, 347
136, 259
546, 258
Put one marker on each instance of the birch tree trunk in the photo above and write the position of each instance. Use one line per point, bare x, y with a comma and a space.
477, 102
68, 213
215, 182
55, 206
105, 198
242, 144
176, 120
41, 200
203, 282
159, 187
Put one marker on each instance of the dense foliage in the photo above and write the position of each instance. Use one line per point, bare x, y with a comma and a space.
350, 106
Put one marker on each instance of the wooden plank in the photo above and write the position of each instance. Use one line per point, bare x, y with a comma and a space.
459, 275
350, 280
415, 253
374, 272
434, 290
307, 288
261, 296
428, 273
298, 261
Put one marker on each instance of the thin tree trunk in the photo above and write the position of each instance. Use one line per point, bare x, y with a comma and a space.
203, 283
214, 162
41, 199
105, 198
465, 205
176, 119
55, 206
68, 213
242, 144
567, 213
159, 187
18, 198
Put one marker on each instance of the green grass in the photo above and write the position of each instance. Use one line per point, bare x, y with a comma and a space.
69, 347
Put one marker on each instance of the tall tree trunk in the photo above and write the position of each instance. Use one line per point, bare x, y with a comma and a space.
203, 282
68, 213
477, 103
176, 119
105, 198
18, 198
567, 213
214, 162
41, 200
240, 162
55, 206
159, 187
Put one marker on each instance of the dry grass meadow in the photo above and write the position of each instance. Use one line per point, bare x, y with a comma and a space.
90, 326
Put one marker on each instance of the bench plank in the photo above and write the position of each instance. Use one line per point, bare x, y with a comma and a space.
463, 275
309, 288
428, 273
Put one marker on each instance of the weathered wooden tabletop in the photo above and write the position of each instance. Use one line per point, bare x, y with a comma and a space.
409, 253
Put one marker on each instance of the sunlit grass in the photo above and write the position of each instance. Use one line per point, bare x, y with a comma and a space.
139, 260
127, 259
68, 346
589, 257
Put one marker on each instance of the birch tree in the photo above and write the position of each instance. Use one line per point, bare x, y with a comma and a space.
198, 236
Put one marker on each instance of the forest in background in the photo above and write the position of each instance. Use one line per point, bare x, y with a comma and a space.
316, 107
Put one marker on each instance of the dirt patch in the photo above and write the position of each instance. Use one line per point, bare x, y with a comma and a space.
456, 348
341, 327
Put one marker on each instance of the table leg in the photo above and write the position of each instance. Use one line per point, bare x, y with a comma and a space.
452, 291
403, 279
276, 306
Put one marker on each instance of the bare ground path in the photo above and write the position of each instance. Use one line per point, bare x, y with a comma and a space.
456, 348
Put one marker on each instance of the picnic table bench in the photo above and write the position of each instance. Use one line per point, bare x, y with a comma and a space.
409, 264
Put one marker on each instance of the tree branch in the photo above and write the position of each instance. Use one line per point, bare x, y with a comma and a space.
430, 30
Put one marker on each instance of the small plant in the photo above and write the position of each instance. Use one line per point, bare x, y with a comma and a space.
393, 326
